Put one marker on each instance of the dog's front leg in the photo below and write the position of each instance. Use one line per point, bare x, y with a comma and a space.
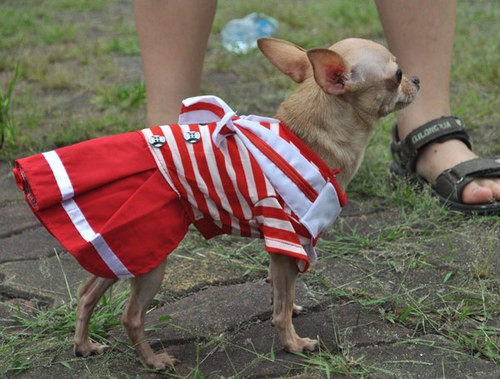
297, 309
143, 290
284, 273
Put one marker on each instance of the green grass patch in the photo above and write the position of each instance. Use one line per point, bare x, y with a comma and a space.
6, 123
127, 97
37, 337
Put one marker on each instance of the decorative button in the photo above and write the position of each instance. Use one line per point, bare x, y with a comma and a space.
192, 137
157, 141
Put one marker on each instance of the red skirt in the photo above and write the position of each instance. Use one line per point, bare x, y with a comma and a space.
107, 203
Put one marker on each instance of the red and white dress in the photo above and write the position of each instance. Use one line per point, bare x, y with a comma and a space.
121, 204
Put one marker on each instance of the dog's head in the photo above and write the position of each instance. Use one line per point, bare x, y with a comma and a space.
363, 73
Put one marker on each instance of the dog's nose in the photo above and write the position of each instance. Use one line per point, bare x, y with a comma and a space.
415, 80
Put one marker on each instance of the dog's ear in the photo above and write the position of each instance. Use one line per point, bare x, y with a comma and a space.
289, 58
331, 71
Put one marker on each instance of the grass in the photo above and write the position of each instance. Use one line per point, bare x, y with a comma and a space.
6, 124
71, 71
126, 97
38, 335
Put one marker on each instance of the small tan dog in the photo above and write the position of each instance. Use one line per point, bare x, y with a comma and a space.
344, 91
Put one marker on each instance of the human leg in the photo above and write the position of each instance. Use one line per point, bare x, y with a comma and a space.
173, 38
420, 33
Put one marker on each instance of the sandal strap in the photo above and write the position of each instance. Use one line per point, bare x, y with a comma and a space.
405, 152
451, 183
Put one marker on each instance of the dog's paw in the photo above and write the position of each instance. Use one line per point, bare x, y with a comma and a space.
297, 309
87, 349
161, 361
300, 345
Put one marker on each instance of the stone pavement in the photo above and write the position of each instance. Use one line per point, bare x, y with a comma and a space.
220, 324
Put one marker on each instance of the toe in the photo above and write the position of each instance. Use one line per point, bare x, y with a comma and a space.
481, 191
475, 193
495, 187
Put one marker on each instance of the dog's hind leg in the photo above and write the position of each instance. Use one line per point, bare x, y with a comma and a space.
284, 273
143, 290
89, 295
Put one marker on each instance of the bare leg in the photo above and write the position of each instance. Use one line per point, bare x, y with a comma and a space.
173, 39
89, 295
420, 33
144, 288
284, 273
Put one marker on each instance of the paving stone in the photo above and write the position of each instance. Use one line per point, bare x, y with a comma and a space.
374, 277
8, 188
187, 272
43, 278
33, 243
215, 310
15, 219
429, 356
5, 313
377, 278
256, 351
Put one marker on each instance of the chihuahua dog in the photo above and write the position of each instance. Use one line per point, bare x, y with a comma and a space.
344, 90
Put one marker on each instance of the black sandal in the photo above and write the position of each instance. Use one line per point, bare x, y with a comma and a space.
450, 183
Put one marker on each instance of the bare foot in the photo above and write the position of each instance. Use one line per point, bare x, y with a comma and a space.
438, 157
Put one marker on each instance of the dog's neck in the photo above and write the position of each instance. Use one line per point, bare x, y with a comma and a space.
330, 127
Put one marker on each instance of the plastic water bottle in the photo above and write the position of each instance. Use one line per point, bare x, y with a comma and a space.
240, 35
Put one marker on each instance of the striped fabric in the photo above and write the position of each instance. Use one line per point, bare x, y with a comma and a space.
79, 220
106, 202
248, 176
120, 204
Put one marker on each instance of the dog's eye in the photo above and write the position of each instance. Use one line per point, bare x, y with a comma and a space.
399, 75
